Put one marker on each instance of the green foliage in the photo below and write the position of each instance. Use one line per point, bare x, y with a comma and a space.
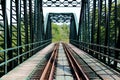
112, 26
118, 18
60, 33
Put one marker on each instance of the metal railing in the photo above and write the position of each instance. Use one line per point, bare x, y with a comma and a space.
105, 54
31, 52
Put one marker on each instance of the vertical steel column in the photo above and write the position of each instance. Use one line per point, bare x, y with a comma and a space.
48, 29
41, 32
105, 41
50, 32
117, 53
11, 26
89, 22
35, 22
9, 44
31, 25
13, 30
93, 25
73, 31
35, 19
18, 14
70, 36
108, 28
3, 3
80, 21
2, 37
99, 25
74, 28
26, 26
39, 22
89, 11
85, 27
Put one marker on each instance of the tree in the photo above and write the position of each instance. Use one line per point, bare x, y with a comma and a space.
60, 32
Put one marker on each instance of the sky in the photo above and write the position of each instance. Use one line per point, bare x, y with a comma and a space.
46, 10
75, 10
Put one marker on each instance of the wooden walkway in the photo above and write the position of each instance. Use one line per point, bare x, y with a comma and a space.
22, 71
101, 69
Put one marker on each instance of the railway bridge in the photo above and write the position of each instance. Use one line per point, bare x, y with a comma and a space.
28, 53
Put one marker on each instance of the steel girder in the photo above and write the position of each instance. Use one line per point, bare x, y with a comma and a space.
21, 32
61, 17
73, 29
61, 3
4, 35
24, 35
48, 33
99, 33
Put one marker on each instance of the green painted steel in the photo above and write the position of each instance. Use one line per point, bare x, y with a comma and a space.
61, 3
99, 32
21, 34
24, 32
61, 17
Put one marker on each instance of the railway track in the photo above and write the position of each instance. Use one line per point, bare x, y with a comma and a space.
49, 70
77, 70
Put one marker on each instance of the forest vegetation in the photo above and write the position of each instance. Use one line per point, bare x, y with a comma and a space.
60, 32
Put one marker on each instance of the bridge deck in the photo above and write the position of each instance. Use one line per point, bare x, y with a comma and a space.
63, 69
101, 69
22, 71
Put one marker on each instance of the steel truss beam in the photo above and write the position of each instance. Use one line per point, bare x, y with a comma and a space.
21, 34
61, 17
61, 3
98, 31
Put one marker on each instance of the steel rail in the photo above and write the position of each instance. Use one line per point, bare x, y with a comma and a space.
77, 70
48, 72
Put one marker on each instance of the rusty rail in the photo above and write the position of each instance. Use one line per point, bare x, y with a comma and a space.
77, 70
48, 72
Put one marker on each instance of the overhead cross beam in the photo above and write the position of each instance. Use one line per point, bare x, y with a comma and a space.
60, 17
61, 3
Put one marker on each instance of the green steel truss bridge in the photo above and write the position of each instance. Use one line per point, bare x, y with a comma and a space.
23, 30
